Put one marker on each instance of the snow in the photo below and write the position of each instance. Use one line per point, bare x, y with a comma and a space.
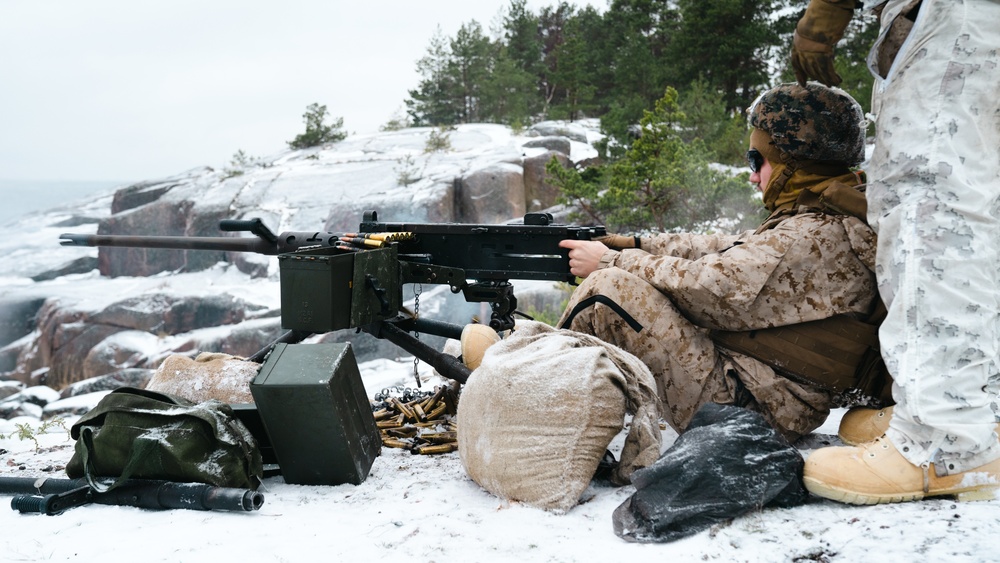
411, 507
425, 508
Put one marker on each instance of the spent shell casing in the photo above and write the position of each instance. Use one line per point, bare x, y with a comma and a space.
402, 432
435, 449
437, 412
394, 443
419, 412
404, 410
440, 437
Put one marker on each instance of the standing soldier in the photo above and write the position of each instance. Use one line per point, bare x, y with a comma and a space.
679, 301
934, 199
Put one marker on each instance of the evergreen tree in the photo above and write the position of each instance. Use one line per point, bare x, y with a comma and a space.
576, 96
317, 131
728, 42
469, 69
521, 32
635, 50
851, 60
552, 23
520, 63
724, 132
508, 94
434, 102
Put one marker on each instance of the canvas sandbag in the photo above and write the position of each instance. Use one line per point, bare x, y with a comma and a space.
211, 375
537, 416
141, 434
728, 462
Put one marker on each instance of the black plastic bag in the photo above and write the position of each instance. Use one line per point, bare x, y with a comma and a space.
728, 462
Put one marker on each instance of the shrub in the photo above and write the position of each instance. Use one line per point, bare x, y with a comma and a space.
439, 140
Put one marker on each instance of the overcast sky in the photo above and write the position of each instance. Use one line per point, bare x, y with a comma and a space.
129, 90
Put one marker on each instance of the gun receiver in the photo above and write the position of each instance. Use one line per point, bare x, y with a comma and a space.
333, 281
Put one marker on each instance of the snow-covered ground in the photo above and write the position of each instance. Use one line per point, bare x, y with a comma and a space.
425, 508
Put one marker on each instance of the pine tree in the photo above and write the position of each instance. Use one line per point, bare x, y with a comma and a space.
434, 101
571, 75
508, 94
317, 131
469, 68
728, 43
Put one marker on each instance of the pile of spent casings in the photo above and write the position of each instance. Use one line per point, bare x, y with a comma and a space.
419, 421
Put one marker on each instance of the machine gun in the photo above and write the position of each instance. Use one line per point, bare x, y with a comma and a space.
333, 281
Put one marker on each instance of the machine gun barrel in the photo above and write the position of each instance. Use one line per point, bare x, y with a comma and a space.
235, 244
265, 242
58, 495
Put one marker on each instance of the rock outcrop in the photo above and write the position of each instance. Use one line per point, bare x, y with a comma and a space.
67, 323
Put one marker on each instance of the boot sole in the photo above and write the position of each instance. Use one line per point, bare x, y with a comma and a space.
820, 489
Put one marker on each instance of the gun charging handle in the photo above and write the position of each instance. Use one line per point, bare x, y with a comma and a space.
255, 226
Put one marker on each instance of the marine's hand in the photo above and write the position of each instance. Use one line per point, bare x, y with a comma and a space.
618, 241
819, 30
817, 65
584, 255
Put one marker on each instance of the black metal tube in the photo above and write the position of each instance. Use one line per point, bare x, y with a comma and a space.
430, 326
235, 244
142, 493
446, 365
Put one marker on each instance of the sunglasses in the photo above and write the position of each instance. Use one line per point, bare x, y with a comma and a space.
755, 159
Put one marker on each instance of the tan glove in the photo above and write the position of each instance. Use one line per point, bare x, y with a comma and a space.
819, 30
618, 242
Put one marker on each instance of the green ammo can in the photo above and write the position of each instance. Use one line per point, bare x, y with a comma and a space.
326, 289
316, 412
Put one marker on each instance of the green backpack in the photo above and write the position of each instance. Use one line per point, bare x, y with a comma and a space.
139, 434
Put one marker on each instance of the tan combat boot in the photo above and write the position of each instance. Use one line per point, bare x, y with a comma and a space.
876, 473
476, 338
862, 425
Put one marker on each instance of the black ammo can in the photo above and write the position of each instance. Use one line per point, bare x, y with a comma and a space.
316, 412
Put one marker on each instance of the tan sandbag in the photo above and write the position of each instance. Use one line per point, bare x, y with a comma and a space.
535, 419
209, 376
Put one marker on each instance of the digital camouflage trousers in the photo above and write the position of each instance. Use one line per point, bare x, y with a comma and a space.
690, 370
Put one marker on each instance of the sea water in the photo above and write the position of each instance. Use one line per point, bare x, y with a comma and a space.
25, 196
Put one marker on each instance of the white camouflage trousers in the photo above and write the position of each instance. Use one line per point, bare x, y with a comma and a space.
934, 199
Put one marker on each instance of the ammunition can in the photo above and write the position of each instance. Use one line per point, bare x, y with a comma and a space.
317, 414
327, 289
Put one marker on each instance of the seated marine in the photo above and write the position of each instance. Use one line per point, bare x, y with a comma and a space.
685, 303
